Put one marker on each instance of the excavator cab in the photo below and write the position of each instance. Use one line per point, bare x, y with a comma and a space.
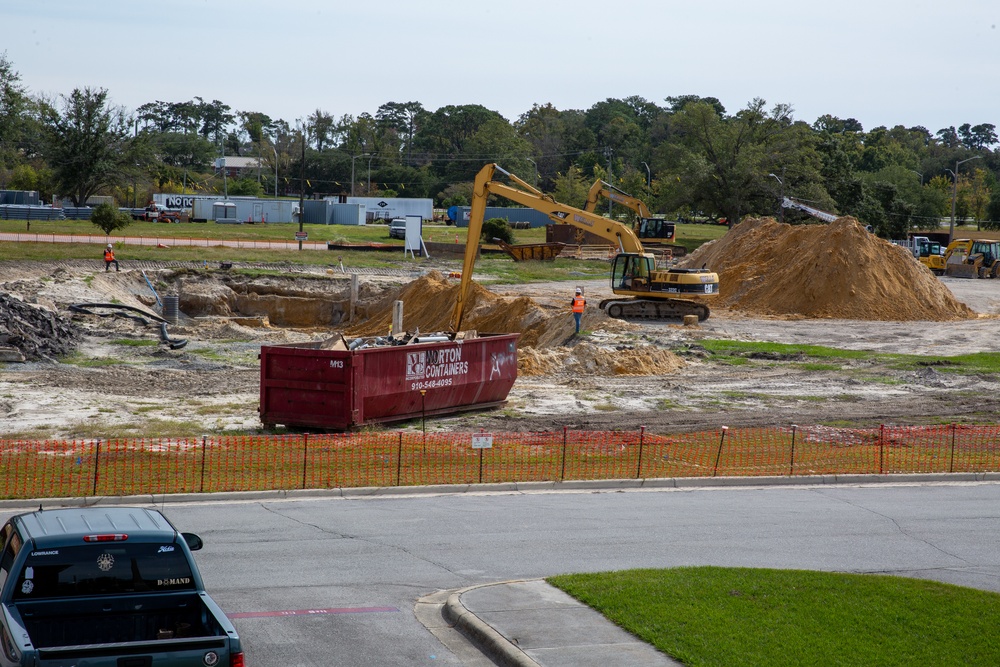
631, 272
655, 228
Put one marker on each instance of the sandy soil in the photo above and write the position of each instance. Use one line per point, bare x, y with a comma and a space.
110, 389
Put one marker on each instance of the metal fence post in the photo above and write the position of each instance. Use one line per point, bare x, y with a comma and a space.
399, 458
791, 462
718, 455
305, 457
562, 472
881, 449
951, 463
97, 463
204, 443
638, 468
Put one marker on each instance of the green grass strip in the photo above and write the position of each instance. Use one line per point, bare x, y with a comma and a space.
979, 362
732, 617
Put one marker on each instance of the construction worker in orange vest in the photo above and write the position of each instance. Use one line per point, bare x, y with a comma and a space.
579, 303
109, 258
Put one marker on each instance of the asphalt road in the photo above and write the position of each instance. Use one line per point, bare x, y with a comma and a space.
333, 581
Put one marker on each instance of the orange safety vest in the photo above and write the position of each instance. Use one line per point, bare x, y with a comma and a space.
109, 255
578, 303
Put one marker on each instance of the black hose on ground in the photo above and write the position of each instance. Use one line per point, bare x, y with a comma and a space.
85, 308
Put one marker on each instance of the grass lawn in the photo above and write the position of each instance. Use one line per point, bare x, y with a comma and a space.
756, 617
967, 364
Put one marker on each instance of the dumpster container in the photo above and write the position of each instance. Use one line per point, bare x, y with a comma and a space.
307, 386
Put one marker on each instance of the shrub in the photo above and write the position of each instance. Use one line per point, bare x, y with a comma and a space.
497, 228
108, 218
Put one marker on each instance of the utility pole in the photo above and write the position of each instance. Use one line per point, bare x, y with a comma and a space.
781, 204
607, 154
302, 185
954, 195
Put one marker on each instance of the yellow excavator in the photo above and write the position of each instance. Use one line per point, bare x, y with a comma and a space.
644, 291
655, 232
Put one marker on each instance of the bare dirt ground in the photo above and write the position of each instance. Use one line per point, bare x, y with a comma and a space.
123, 381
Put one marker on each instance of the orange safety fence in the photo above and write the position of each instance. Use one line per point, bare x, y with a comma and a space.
137, 466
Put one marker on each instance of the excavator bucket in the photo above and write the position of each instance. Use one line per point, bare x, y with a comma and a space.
961, 270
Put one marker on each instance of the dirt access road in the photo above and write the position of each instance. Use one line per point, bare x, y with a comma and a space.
121, 383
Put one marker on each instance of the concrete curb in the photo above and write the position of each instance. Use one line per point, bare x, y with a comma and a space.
686, 483
497, 647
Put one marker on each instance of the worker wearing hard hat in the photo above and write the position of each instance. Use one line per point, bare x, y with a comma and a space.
109, 258
579, 303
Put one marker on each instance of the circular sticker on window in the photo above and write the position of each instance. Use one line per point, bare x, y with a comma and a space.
27, 586
105, 562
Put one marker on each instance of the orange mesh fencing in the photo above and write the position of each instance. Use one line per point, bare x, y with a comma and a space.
134, 466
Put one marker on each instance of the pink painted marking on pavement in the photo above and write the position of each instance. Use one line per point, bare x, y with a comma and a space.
312, 612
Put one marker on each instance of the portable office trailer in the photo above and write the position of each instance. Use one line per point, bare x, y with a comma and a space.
387, 208
19, 197
248, 210
329, 212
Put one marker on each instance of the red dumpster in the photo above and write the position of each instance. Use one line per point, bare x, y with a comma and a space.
306, 386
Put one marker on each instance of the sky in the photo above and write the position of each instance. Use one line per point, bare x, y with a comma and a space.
882, 62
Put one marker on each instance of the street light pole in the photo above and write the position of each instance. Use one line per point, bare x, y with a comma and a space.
781, 205
649, 176
954, 194
920, 175
275, 171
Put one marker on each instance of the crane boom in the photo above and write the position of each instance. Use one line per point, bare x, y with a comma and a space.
633, 269
788, 202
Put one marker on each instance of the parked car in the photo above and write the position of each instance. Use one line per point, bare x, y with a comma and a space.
397, 228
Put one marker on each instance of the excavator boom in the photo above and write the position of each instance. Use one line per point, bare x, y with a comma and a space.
633, 272
657, 232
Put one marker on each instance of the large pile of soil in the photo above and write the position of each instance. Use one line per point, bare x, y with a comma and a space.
838, 270
428, 303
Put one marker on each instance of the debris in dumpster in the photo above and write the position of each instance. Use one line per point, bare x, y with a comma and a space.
338, 342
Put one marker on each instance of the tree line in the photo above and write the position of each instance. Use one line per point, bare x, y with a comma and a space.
686, 157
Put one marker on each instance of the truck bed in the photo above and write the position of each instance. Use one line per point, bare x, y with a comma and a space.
106, 620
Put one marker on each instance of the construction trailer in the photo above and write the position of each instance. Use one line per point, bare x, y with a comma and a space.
246, 210
387, 208
329, 212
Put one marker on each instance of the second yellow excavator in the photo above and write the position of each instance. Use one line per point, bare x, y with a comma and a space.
642, 291
655, 232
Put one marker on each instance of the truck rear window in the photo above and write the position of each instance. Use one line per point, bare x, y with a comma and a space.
103, 569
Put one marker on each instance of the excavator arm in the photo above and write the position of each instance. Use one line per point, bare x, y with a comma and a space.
633, 269
604, 189
657, 232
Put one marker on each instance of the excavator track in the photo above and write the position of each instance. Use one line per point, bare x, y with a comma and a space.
653, 309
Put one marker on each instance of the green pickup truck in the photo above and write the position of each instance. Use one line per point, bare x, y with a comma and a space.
107, 587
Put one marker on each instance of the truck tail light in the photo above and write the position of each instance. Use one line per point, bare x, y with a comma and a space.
236, 660
109, 537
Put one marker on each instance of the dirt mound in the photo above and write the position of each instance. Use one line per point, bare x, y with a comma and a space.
589, 360
428, 303
837, 270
